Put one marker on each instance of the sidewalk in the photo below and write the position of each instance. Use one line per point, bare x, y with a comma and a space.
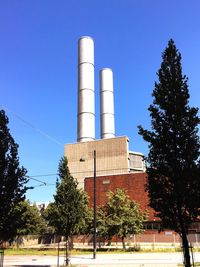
129, 265
102, 260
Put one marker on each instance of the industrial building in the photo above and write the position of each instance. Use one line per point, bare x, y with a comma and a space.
112, 153
116, 166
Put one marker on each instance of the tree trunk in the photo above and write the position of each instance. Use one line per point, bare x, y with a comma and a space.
71, 243
66, 252
123, 243
186, 251
183, 234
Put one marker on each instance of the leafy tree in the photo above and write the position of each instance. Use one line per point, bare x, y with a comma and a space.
121, 216
86, 224
12, 182
103, 229
50, 215
31, 221
66, 214
173, 160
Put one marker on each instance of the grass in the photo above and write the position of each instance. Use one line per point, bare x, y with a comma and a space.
196, 264
27, 251
54, 252
41, 252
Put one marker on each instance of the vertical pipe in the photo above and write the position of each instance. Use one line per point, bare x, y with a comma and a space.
86, 109
95, 204
107, 104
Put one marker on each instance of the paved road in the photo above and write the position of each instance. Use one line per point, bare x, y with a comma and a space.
103, 260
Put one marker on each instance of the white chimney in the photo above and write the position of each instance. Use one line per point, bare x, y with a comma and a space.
107, 104
86, 108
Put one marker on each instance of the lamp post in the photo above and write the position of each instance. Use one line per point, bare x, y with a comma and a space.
94, 201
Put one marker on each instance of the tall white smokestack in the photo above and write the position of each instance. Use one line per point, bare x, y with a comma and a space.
86, 109
107, 104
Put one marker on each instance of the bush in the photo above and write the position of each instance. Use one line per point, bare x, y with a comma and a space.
135, 248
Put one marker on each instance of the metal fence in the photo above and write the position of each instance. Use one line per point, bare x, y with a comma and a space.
1, 257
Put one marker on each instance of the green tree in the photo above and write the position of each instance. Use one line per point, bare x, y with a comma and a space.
103, 229
50, 215
12, 182
122, 216
66, 214
31, 221
173, 159
86, 224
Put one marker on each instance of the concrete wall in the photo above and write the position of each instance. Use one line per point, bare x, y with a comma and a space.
136, 162
111, 157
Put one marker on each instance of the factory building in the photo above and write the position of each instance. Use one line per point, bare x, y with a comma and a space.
112, 157
112, 153
116, 165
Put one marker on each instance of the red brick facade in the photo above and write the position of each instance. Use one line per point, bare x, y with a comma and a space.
133, 183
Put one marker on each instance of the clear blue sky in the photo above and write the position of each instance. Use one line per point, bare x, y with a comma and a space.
38, 68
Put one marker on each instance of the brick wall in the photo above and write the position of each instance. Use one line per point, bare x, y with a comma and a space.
148, 237
133, 183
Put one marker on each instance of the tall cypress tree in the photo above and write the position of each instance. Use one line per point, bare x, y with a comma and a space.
12, 182
174, 149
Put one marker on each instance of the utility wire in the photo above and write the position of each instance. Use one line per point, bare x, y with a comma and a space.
32, 177
33, 127
54, 174
41, 182
41, 185
43, 175
35, 180
72, 173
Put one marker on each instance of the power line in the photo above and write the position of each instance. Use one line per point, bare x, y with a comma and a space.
35, 180
54, 174
105, 170
43, 175
39, 181
34, 186
72, 173
33, 127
